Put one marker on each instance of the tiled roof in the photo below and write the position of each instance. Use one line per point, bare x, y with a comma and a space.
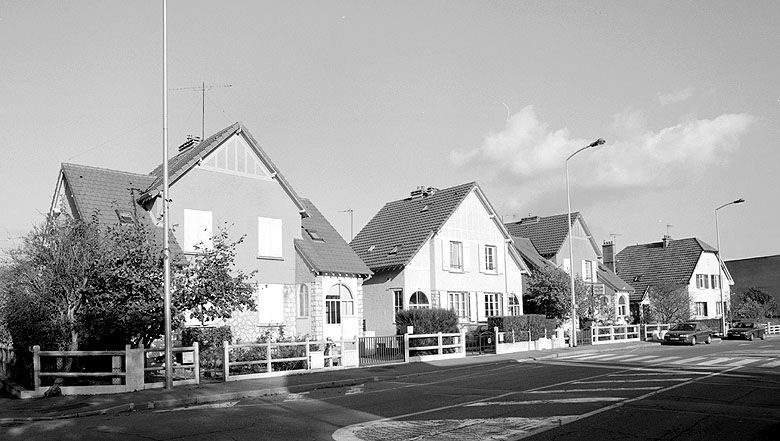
607, 277
102, 191
331, 254
546, 233
531, 257
189, 158
651, 264
400, 228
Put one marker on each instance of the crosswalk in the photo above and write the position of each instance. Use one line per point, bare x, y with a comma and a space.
729, 360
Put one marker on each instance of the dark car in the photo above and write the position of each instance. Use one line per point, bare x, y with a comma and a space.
689, 333
746, 330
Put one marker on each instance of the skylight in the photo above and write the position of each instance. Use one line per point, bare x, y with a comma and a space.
371, 248
394, 250
315, 235
125, 216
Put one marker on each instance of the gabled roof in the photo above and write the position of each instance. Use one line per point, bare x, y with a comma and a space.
607, 277
397, 231
549, 233
652, 264
183, 162
323, 248
529, 254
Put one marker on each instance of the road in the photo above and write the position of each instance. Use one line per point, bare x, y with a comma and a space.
728, 390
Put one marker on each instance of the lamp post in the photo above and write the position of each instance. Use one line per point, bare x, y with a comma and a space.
720, 267
573, 336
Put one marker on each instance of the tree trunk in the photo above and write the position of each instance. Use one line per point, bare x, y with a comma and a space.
54, 390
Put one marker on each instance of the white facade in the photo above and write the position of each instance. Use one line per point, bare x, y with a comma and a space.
703, 289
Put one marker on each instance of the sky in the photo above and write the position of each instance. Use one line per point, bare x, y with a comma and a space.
360, 102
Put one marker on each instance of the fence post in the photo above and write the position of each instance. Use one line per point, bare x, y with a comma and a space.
463, 341
116, 366
36, 368
441, 342
269, 365
308, 354
406, 348
196, 360
225, 360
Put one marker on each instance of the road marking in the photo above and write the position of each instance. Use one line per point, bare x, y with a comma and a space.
642, 374
771, 364
665, 359
295, 397
644, 357
358, 389
688, 360
743, 362
633, 381
618, 357
714, 361
595, 389
550, 401
201, 406
594, 357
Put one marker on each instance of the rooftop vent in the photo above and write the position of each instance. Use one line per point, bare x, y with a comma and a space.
666, 240
394, 250
191, 141
423, 192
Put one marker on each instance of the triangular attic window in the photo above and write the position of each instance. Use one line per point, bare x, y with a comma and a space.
235, 156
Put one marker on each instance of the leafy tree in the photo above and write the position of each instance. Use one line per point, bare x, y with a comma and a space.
754, 303
669, 303
549, 293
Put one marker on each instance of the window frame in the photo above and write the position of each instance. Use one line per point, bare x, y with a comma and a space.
398, 294
458, 301
418, 305
269, 246
490, 260
700, 307
456, 253
492, 304
200, 234
513, 305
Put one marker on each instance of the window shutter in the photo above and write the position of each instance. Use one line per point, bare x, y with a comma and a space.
466, 256
205, 229
481, 260
500, 258
190, 222
445, 255
275, 228
584, 270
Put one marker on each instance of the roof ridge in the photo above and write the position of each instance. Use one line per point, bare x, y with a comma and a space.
92, 167
407, 198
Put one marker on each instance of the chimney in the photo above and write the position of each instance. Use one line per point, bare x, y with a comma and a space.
608, 249
423, 192
666, 240
191, 141
530, 220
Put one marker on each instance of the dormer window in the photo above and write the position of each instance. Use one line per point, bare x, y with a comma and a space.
125, 216
315, 235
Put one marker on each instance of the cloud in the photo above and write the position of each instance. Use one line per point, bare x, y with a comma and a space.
528, 157
674, 97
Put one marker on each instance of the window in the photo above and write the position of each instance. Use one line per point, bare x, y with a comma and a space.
303, 301
514, 305
702, 281
332, 309
719, 308
700, 309
492, 304
456, 255
490, 258
587, 271
398, 300
197, 230
458, 302
269, 237
314, 235
338, 301
125, 216
715, 279
622, 309
566, 264
419, 300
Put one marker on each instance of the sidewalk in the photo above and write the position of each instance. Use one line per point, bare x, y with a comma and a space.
13, 410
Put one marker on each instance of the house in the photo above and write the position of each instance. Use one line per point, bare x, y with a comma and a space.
439, 248
228, 181
688, 263
544, 241
756, 272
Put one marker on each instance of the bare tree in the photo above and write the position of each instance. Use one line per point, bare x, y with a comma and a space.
669, 303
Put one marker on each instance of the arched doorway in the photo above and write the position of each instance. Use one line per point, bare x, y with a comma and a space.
340, 319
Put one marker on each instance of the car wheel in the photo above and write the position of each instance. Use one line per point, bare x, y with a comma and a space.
709, 339
693, 341
750, 337
762, 336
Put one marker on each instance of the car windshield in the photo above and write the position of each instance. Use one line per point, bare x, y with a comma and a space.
684, 327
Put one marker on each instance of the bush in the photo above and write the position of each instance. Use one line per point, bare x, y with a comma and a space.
426, 321
539, 325
209, 344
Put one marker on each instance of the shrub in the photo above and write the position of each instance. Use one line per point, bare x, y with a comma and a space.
426, 321
539, 325
209, 344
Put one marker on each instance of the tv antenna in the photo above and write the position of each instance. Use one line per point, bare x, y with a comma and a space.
202, 89
669, 229
351, 213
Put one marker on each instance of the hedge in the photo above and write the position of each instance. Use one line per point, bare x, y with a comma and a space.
521, 324
426, 321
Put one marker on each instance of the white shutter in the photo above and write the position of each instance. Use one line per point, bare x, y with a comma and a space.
205, 229
566, 264
481, 258
500, 252
445, 255
276, 237
190, 222
197, 229
466, 256
269, 237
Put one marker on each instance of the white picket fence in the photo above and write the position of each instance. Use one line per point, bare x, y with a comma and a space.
447, 346
614, 334
772, 329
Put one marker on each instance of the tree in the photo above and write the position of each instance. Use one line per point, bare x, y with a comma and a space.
754, 303
669, 303
549, 293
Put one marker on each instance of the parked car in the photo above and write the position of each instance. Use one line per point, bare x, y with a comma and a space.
746, 330
689, 333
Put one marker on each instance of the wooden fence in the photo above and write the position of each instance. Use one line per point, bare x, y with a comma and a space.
614, 334
453, 347
654, 331
772, 329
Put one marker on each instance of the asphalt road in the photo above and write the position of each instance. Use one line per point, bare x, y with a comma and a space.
729, 390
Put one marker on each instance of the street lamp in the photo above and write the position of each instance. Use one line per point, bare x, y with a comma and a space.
720, 267
573, 336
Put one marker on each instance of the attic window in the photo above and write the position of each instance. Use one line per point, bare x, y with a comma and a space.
394, 250
315, 235
371, 248
125, 216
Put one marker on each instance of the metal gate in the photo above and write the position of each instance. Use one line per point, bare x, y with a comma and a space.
381, 350
481, 343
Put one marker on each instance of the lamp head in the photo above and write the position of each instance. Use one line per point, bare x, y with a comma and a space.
738, 201
597, 142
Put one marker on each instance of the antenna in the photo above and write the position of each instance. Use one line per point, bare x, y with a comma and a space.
669, 229
351, 212
202, 89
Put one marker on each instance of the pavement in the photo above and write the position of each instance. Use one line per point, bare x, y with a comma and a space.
74, 406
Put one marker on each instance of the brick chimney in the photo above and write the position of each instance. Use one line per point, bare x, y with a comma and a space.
666, 240
423, 192
189, 143
608, 249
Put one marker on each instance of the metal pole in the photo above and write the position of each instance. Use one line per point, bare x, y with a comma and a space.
166, 223
719, 255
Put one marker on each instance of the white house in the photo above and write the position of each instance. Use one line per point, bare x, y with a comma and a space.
439, 248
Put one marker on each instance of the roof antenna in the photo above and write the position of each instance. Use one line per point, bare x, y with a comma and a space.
202, 89
669, 229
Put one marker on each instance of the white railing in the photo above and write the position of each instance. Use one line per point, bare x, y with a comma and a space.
261, 360
455, 348
188, 371
772, 329
614, 334
654, 331
127, 370
7, 359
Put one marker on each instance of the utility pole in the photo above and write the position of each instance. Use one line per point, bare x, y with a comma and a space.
202, 89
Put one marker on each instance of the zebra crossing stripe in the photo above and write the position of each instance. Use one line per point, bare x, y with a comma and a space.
665, 359
618, 357
714, 361
743, 362
600, 389
644, 357
644, 380
688, 360
771, 364
594, 356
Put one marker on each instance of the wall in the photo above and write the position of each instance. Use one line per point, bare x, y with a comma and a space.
583, 249
708, 264
378, 311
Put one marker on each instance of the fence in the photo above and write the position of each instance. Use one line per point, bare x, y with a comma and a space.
188, 369
614, 334
654, 331
454, 348
382, 350
7, 359
259, 360
772, 329
126, 372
